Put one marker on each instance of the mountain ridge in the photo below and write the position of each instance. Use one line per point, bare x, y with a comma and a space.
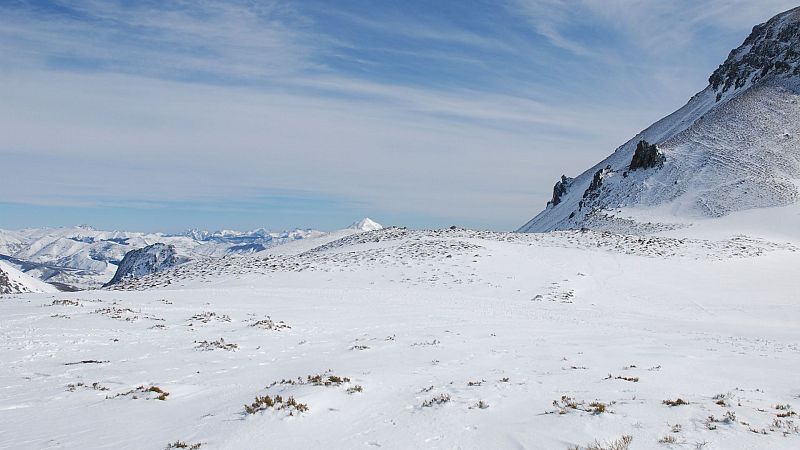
731, 147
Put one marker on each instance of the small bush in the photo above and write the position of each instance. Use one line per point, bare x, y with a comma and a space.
676, 402
262, 403
623, 443
597, 407
668, 439
354, 389
181, 444
438, 400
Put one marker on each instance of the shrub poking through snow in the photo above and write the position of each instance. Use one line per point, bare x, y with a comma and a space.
623, 443
208, 316
631, 379
327, 380
65, 302
72, 387
668, 439
481, 405
147, 392
269, 324
566, 404
677, 402
181, 444
216, 345
354, 389
440, 399
265, 402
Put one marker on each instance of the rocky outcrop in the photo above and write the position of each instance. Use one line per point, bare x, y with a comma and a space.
772, 48
593, 191
646, 156
732, 147
5, 284
560, 190
144, 261
14, 281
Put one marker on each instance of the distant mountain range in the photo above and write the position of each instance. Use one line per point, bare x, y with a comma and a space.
82, 257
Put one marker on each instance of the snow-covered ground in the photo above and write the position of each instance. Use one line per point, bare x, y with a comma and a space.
439, 339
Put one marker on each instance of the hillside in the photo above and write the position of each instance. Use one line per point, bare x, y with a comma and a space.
13, 281
734, 146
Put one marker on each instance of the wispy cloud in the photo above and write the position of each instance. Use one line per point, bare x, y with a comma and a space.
462, 113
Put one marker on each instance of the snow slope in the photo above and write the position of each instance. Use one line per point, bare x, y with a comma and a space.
497, 327
733, 147
14, 281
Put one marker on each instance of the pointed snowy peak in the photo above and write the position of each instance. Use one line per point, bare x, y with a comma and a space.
366, 224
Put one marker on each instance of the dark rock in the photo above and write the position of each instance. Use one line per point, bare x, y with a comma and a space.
771, 48
147, 260
646, 156
560, 189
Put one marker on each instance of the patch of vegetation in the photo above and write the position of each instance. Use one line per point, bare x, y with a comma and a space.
425, 343
208, 316
72, 387
181, 444
668, 439
623, 443
148, 392
481, 405
269, 324
729, 418
326, 380
265, 402
354, 389
619, 377
65, 302
216, 345
677, 402
566, 404
440, 399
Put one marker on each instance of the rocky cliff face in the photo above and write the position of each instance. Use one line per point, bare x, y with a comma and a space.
771, 49
144, 261
732, 147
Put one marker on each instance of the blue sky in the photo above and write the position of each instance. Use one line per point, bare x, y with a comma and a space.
279, 114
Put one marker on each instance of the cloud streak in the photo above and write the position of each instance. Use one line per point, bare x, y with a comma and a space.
464, 116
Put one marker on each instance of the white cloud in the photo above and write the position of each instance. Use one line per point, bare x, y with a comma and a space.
136, 129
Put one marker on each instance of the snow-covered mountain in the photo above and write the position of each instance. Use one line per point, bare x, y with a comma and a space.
734, 146
14, 281
366, 224
84, 257
144, 261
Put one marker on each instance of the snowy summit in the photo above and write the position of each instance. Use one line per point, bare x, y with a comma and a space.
365, 224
